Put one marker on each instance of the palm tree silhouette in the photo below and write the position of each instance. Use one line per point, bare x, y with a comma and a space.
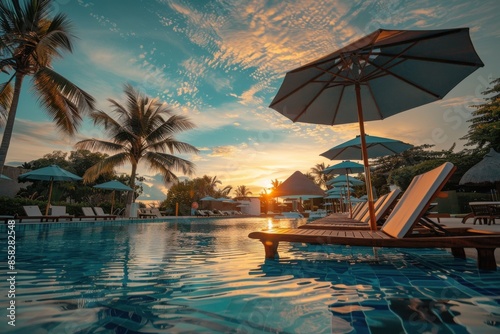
143, 130
29, 41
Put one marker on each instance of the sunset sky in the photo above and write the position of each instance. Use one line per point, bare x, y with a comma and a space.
222, 62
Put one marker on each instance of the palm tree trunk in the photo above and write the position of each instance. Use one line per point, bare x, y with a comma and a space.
9, 126
131, 194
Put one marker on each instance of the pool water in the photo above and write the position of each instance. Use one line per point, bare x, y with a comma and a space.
206, 276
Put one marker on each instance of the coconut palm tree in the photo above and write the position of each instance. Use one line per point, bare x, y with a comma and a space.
318, 176
29, 41
143, 130
242, 192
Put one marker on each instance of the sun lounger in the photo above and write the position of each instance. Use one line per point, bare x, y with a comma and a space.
398, 231
33, 212
89, 213
382, 208
100, 212
60, 211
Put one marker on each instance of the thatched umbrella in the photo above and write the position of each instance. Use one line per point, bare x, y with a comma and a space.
485, 171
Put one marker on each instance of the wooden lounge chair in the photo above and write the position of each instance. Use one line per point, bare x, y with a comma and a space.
33, 212
361, 220
398, 231
89, 213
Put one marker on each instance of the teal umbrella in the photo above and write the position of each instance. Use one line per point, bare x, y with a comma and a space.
352, 149
115, 186
51, 173
375, 146
345, 167
344, 179
3, 177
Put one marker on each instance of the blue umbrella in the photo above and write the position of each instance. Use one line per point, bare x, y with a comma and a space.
51, 173
345, 167
375, 146
344, 179
113, 185
3, 177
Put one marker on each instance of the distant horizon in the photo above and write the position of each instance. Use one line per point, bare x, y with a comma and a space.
222, 64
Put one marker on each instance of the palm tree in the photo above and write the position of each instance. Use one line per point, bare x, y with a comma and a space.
29, 41
275, 184
224, 192
143, 131
242, 191
318, 176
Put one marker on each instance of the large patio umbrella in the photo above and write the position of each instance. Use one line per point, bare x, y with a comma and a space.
375, 147
115, 186
377, 76
51, 173
485, 171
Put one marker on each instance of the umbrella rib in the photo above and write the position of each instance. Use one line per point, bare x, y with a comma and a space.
327, 85
406, 80
304, 84
335, 114
435, 60
375, 101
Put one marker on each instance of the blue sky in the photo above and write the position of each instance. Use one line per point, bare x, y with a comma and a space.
222, 62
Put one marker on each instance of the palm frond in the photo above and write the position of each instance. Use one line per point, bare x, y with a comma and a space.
99, 145
171, 145
174, 124
6, 93
170, 162
84, 101
105, 166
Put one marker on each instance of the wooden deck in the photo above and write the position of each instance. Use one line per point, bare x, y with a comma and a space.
485, 242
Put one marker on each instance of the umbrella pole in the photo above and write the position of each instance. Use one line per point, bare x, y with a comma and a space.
364, 152
112, 201
348, 194
50, 196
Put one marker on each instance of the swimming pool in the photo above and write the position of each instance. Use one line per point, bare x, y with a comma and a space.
206, 276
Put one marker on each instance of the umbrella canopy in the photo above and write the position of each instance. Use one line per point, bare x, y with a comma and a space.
3, 177
345, 167
51, 173
379, 75
485, 171
345, 180
208, 198
375, 146
298, 185
115, 186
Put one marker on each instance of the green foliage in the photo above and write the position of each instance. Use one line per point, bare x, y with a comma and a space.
183, 194
402, 177
485, 128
